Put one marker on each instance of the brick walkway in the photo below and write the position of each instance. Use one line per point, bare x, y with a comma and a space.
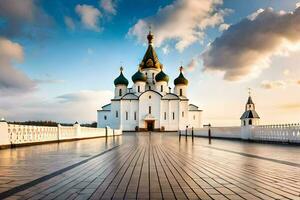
158, 166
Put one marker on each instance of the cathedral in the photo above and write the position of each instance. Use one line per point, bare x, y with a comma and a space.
150, 104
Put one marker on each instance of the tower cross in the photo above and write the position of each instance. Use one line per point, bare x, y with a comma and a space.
249, 91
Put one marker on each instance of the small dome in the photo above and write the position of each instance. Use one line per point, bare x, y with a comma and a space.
161, 76
181, 80
139, 76
121, 80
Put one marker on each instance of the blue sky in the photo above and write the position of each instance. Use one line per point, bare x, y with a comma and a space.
70, 67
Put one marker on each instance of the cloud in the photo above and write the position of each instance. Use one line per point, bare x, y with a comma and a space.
18, 15
291, 106
245, 48
48, 81
79, 106
298, 5
69, 22
109, 6
12, 80
223, 27
191, 66
166, 49
266, 84
183, 21
89, 16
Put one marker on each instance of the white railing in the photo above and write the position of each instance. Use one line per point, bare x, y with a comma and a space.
67, 132
21, 134
277, 133
217, 132
13, 134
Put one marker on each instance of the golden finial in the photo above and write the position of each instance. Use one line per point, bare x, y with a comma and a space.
150, 36
180, 68
121, 69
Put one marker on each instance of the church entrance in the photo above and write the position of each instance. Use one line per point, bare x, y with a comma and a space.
150, 125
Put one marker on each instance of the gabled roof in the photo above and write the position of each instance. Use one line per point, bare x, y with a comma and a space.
106, 107
170, 96
249, 114
130, 96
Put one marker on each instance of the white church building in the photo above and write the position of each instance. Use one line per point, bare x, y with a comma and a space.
150, 104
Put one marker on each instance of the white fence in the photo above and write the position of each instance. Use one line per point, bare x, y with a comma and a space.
286, 133
218, 132
277, 133
12, 134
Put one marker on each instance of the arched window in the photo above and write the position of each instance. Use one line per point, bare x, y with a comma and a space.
173, 115
161, 88
165, 116
182, 114
120, 92
149, 87
134, 115
139, 89
244, 123
149, 96
149, 109
180, 92
250, 121
152, 75
126, 115
117, 114
105, 117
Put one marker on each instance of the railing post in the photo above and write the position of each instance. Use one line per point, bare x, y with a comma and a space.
193, 133
58, 132
186, 129
106, 131
4, 135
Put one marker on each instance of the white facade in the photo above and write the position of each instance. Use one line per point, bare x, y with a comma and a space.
150, 104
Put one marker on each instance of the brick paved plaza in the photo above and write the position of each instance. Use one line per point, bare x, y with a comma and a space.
155, 166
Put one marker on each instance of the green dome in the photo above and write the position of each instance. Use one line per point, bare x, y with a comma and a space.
121, 80
181, 80
139, 76
161, 76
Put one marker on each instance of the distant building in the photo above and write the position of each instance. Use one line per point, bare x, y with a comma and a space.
150, 104
250, 116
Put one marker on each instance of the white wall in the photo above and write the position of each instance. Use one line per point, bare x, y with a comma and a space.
129, 106
195, 119
144, 103
102, 122
170, 106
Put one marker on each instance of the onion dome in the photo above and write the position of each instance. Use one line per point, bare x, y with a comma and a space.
139, 76
150, 59
161, 76
121, 80
181, 80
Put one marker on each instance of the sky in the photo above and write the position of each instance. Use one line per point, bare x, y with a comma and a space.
58, 58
